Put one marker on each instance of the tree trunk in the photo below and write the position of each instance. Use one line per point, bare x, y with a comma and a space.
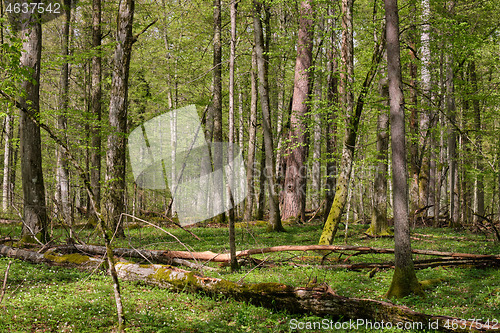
320, 300
379, 224
274, 211
415, 162
7, 163
331, 123
115, 157
404, 281
452, 144
232, 242
62, 173
216, 109
35, 211
479, 183
252, 141
295, 177
96, 92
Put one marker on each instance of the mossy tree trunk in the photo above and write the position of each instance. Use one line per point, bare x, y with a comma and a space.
404, 281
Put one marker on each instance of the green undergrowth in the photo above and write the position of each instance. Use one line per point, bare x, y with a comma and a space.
43, 299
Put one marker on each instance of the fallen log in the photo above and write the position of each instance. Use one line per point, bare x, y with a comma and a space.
418, 264
321, 300
51, 258
166, 256
153, 256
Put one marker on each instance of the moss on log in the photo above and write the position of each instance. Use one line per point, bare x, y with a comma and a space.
320, 300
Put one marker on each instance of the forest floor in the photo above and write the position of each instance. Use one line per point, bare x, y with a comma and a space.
39, 298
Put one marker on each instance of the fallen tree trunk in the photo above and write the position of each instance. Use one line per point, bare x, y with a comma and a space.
50, 258
169, 257
321, 301
419, 264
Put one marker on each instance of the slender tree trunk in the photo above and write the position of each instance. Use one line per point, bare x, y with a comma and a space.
479, 182
452, 144
262, 181
295, 177
115, 157
427, 173
414, 155
232, 242
216, 110
62, 173
35, 211
274, 211
331, 123
95, 153
379, 224
404, 281
252, 141
7, 163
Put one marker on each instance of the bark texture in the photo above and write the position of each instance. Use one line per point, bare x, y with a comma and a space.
35, 211
96, 92
320, 300
295, 178
115, 157
252, 141
62, 173
404, 281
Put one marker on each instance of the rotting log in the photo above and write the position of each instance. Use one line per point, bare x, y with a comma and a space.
320, 300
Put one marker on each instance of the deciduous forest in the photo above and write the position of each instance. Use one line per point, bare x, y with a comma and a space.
249, 165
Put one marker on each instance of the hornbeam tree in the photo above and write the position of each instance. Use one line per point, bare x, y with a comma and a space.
404, 281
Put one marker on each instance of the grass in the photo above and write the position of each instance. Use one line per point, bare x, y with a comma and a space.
54, 299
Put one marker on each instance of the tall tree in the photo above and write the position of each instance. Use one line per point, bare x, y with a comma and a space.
232, 56
7, 162
479, 181
62, 173
216, 107
96, 92
35, 211
252, 139
331, 122
274, 211
115, 157
404, 281
295, 177
452, 134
